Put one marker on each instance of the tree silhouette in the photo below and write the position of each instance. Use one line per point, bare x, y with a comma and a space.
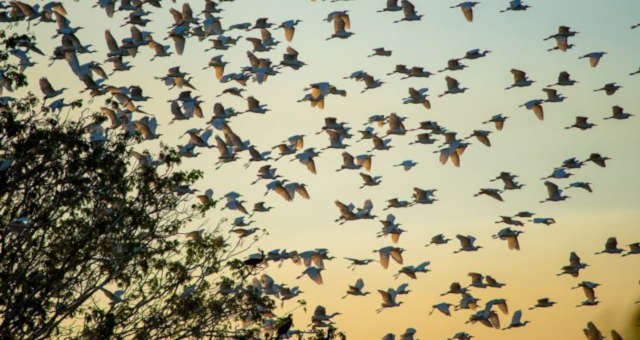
92, 242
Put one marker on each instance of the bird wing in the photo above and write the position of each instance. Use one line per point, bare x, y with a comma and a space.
484, 139
112, 45
347, 21
384, 260
316, 276
539, 112
338, 25
396, 254
552, 188
451, 83
513, 243
45, 86
302, 191
408, 9
612, 243
386, 297
468, 13
518, 75
347, 159
589, 293
265, 35
177, 16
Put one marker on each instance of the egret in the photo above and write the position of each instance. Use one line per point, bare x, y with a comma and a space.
594, 57
467, 9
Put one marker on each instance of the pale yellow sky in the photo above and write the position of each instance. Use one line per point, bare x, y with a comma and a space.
526, 146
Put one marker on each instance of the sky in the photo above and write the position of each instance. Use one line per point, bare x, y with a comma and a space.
527, 147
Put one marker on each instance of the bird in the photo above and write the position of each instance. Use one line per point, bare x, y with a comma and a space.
553, 192
598, 159
313, 273
609, 88
341, 21
406, 164
453, 87
634, 248
48, 91
357, 262
442, 307
289, 28
417, 97
564, 79
392, 6
388, 299
482, 136
114, 297
611, 247
562, 43
588, 288
475, 54
511, 236
369, 180
618, 113
466, 243
574, 267
380, 51
515, 5
592, 332
544, 220
493, 193
535, 105
515, 320
581, 123
584, 185
520, 79
553, 96
411, 271
461, 336
455, 288
498, 120
254, 105
467, 9
594, 57
438, 239
543, 303
356, 289
320, 316
453, 65
563, 31
408, 11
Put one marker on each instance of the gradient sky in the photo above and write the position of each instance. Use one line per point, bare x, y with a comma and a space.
527, 147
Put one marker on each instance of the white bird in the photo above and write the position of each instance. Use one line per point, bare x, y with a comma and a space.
388, 299
453, 87
515, 5
535, 105
594, 57
442, 307
553, 192
341, 22
408, 12
515, 320
618, 113
313, 273
356, 289
467, 9
466, 243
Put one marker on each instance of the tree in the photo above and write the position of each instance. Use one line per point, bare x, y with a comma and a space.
92, 240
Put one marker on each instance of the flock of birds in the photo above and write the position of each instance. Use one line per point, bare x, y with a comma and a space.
123, 107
